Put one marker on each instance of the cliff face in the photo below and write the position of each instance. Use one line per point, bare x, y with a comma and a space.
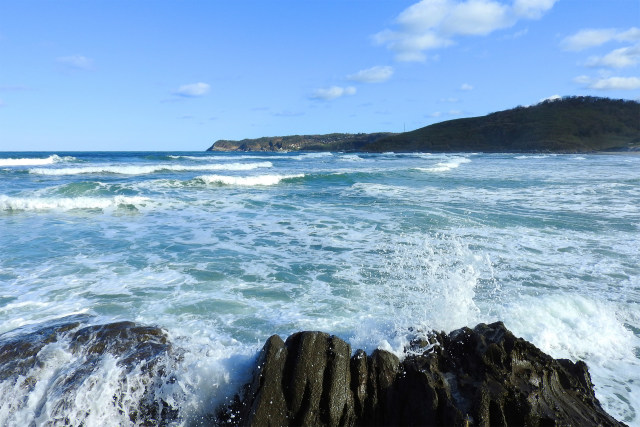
482, 376
567, 125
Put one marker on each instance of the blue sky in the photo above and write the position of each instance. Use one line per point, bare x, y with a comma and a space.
178, 75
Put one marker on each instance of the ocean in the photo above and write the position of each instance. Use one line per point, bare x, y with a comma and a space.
222, 250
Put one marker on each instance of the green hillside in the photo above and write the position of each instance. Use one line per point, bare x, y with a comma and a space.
330, 142
567, 125
575, 124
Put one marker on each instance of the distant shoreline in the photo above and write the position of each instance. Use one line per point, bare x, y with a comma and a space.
567, 125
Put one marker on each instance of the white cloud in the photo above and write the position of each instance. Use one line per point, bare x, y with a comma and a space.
616, 83
623, 57
532, 9
476, 17
552, 98
433, 24
583, 80
375, 74
618, 58
76, 62
588, 38
193, 90
466, 86
609, 83
333, 92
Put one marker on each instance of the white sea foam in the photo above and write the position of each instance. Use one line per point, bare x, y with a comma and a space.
447, 165
534, 156
307, 156
149, 169
571, 326
8, 203
362, 252
54, 158
351, 158
247, 180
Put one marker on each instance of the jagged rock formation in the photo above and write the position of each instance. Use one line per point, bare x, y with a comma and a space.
482, 376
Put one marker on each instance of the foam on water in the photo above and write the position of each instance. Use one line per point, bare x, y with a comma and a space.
367, 250
567, 325
10, 204
446, 165
149, 169
54, 158
247, 180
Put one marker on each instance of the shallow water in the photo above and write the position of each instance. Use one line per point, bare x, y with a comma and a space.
221, 250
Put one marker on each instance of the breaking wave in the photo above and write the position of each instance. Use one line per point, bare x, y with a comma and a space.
10, 204
149, 169
446, 166
247, 180
36, 161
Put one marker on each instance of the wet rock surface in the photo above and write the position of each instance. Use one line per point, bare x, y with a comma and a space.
483, 376
75, 351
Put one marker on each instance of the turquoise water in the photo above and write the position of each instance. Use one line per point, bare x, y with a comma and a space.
224, 249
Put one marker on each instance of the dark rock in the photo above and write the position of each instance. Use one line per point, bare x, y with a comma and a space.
134, 346
303, 381
482, 376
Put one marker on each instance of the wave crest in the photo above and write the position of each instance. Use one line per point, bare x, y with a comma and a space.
446, 166
10, 204
36, 161
149, 169
247, 180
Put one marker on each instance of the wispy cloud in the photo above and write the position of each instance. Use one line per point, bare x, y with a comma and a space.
76, 62
623, 57
333, 92
434, 24
377, 74
619, 58
551, 98
193, 90
589, 38
609, 83
466, 86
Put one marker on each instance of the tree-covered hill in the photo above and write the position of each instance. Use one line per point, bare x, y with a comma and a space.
330, 142
570, 124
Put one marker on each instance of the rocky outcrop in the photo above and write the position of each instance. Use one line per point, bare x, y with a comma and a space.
141, 351
482, 376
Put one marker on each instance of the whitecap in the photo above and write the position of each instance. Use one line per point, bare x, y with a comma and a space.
538, 156
247, 180
149, 169
10, 204
446, 166
36, 161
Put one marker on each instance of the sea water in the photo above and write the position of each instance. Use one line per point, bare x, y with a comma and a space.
222, 250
